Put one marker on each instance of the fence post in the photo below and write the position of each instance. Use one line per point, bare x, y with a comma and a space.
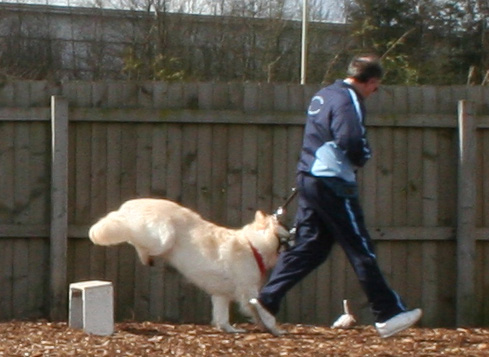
465, 314
59, 209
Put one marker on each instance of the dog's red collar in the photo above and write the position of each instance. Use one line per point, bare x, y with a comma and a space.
259, 260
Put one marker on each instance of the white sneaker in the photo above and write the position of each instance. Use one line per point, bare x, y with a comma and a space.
398, 323
266, 318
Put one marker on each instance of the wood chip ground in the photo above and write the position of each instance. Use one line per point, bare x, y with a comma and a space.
41, 338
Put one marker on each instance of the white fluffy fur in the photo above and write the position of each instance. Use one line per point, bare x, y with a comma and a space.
218, 260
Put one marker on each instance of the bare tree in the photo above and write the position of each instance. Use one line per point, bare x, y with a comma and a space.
27, 49
245, 40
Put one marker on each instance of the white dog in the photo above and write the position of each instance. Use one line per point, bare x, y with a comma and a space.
229, 264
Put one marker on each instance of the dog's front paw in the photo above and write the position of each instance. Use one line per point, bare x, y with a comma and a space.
265, 318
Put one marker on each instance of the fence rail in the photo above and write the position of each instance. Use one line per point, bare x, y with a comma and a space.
226, 150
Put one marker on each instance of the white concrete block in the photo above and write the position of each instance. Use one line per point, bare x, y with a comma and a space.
92, 307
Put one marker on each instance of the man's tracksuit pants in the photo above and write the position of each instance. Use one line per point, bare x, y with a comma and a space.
329, 212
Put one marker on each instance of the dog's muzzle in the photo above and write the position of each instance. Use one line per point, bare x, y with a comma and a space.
286, 239
286, 236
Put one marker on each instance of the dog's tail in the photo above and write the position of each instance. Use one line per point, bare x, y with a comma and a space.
110, 230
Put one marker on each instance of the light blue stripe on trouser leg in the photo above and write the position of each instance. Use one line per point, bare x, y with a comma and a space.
365, 244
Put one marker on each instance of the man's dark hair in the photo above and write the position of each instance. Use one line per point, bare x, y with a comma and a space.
365, 67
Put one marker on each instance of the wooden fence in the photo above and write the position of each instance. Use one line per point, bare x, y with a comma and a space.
72, 151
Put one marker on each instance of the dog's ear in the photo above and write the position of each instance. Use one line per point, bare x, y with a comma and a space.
260, 218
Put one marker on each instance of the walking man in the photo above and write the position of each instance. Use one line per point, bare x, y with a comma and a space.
334, 147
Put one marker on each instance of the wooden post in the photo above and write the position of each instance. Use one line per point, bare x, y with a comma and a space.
305, 21
465, 315
59, 209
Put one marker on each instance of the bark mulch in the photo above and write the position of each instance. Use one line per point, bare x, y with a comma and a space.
42, 338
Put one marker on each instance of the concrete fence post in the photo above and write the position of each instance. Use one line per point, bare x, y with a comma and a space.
466, 210
59, 209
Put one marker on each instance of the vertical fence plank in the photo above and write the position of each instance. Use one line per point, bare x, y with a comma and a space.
446, 211
113, 196
447, 180
98, 170
415, 182
383, 196
204, 203
98, 192
415, 272
384, 180
249, 176
482, 174
323, 285
430, 219
6, 203
234, 177
399, 193
59, 208
466, 215
142, 282
39, 167
189, 166
172, 301
6, 279
265, 169
204, 172
38, 253
484, 285
280, 168
158, 189
83, 137
83, 162
22, 204
367, 182
189, 199
294, 138
159, 161
219, 173
127, 256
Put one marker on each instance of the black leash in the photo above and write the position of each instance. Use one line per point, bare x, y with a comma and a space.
281, 210
286, 242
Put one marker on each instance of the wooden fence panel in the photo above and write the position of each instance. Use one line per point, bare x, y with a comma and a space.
226, 150
24, 200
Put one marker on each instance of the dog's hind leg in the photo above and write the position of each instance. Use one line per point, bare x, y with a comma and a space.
220, 314
152, 241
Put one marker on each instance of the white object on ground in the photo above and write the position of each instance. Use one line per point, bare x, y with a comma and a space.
92, 307
347, 320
